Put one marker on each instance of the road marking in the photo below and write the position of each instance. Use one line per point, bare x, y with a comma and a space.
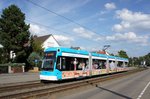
139, 97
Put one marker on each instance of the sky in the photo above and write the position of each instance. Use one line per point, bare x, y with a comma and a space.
90, 24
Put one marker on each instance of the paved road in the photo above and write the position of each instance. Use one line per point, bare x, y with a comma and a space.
135, 86
18, 77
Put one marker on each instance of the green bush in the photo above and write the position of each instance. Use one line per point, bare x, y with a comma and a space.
34, 59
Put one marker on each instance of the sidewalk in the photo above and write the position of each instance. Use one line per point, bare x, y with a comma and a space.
18, 77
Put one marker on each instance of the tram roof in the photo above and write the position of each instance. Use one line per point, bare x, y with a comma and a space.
122, 59
99, 55
67, 50
110, 57
83, 52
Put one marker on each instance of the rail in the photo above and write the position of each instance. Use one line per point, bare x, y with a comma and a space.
39, 90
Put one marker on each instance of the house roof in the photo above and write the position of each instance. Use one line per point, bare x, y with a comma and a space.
42, 38
101, 52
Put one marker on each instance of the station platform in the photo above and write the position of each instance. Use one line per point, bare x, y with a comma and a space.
18, 78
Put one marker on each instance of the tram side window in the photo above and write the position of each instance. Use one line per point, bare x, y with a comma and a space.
67, 63
120, 64
126, 64
95, 64
61, 63
102, 64
70, 63
99, 64
58, 65
82, 63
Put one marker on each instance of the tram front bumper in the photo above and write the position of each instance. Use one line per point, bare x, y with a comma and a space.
50, 78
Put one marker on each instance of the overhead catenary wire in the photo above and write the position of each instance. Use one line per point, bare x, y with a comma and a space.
66, 18
49, 27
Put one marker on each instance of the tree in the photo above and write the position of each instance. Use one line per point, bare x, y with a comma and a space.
14, 33
147, 59
112, 54
34, 59
123, 54
2, 57
36, 45
138, 61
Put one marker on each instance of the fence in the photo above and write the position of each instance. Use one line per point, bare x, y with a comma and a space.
12, 68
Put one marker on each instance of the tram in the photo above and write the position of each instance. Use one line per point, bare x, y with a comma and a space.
61, 63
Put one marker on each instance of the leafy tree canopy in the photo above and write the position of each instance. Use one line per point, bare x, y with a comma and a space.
14, 32
138, 61
123, 54
36, 45
37, 52
34, 59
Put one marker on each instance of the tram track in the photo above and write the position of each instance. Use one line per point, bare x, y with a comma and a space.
39, 90
19, 86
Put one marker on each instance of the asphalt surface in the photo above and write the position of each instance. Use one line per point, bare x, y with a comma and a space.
135, 86
18, 77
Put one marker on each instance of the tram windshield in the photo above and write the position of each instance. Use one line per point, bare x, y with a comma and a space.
48, 61
48, 64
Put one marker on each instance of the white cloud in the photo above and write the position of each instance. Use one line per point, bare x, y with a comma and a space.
110, 6
117, 27
129, 37
40, 31
128, 15
83, 33
37, 30
132, 21
64, 40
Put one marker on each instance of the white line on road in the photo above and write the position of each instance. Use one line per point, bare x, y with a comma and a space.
139, 97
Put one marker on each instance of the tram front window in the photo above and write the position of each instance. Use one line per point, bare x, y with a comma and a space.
48, 65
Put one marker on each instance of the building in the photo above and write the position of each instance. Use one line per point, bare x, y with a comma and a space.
102, 52
47, 41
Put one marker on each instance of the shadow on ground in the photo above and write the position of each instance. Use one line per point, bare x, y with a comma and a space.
101, 88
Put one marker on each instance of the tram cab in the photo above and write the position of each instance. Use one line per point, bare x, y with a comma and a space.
48, 69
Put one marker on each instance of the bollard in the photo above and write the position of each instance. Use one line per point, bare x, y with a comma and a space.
9, 69
23, 69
